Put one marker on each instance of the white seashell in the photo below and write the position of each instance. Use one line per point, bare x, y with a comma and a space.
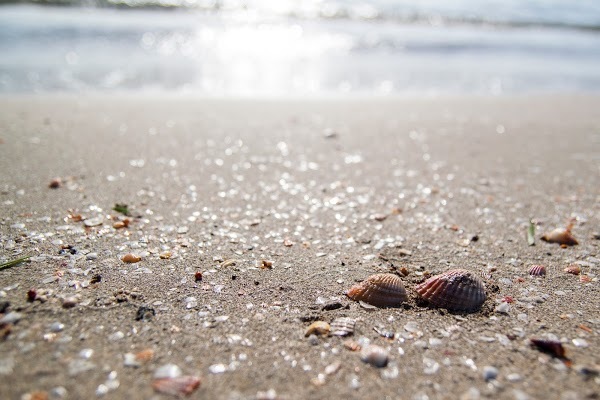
375, 355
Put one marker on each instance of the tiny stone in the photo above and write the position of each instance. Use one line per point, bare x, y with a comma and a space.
69, 302
86, 354
502, 308
130, 360
167, 371
93, 222
57, 327
490, 372
217, 368
58, 392
11, 318
116, 336
513, 377
91, 256
580, 342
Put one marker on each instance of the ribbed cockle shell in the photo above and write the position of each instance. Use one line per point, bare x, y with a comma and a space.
537, 270
457, 289
381, 290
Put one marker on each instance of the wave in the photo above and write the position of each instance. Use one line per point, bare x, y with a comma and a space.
470, 12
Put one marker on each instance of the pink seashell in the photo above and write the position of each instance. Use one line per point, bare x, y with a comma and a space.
537, 270
561, 236
381, 290
183, 385
457, 290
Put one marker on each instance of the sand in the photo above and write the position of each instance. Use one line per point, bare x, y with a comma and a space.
329, 191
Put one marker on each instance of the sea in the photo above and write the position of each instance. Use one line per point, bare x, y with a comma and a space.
286, 48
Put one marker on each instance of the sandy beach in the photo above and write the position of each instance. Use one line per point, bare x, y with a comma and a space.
328, 192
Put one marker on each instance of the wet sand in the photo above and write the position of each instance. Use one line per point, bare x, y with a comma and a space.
330, 192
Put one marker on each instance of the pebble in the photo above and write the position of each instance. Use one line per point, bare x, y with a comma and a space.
91, 256
86, 354
502, 308
69, 302
375, 355
116, 336
168, 371
57, 327
580, 342
11, 318
93, 222
217, 368
489, 372
130, 360
513, 377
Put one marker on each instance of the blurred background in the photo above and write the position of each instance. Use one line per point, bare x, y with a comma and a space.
300, 48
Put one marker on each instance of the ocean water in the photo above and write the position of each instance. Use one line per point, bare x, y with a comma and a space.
301, 48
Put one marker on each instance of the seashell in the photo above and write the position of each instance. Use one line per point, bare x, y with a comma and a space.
381, 290
183, 385
131, 258
352, 345
321, 328
552, 347
573, 269
375, 355
457, 290
585, 279
537, 270
343, 326
561, 236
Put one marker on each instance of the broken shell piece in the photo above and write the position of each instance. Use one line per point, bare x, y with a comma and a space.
381, 290
343, 326
321, 328
585, 279
561, 236
537, 270
573, 269
375, 355
183, 385
351, 345
265, 264
55, 183
457, 290
552, 347
131, 258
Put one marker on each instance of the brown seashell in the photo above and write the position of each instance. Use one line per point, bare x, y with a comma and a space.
537, 270
183, 385
320, 328
457, 290
131, 258
585, 279
561, 236
381, 290
552, 347
145, 355
343, 326
573, 269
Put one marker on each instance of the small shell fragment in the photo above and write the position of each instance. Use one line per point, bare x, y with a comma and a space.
265, 264
552, 347
380, 290
183, 385
320, 328
375, 355
561, 236
573, 269
537, 270
131, 258
343, 326
351, 345
457, 290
